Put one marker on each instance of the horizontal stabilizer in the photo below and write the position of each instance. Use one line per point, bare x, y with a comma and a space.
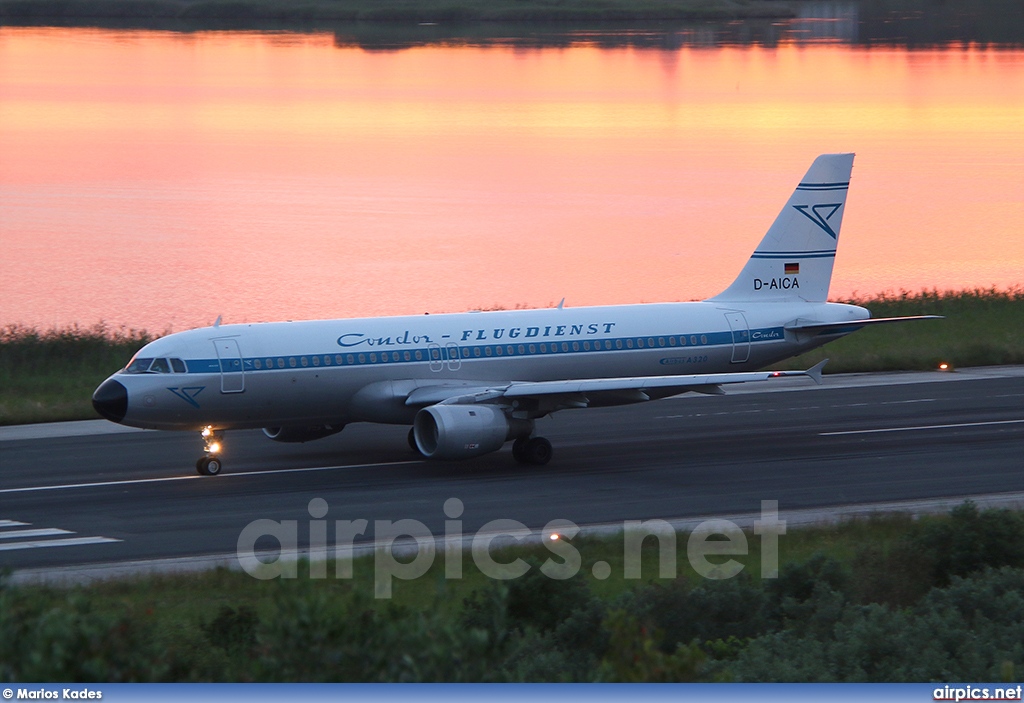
853, 325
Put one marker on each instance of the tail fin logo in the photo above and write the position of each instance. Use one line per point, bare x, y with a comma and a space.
820, 217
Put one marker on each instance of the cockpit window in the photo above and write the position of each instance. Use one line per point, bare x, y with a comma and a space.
150, 365
139, 365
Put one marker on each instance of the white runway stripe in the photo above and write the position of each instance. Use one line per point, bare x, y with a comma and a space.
197, 477
29, 539
42, 532
67, 542
922, 427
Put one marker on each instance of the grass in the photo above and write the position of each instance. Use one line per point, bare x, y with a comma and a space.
50, 376
983, 327
224, 625
173, 599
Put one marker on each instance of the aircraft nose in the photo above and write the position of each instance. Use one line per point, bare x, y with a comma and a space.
111, 400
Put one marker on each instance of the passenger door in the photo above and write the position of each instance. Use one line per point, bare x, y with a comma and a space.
232, 375
740, 336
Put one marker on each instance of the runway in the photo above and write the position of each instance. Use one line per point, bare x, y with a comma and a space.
72, 496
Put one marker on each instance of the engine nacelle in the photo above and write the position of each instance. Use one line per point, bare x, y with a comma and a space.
464, 431
301, 433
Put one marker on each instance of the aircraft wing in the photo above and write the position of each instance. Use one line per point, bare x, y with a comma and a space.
852, 325
620, 390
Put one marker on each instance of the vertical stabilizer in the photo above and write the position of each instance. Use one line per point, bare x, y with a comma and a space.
794, 260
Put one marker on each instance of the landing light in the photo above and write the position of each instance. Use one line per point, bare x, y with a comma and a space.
945, 366
207, 431
213, 448
554, 536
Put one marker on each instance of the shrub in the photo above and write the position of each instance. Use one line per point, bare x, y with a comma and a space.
712, 610
972, 540
41, 640
970, 630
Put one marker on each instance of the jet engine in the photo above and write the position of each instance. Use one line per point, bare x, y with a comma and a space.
301, 433
464, 431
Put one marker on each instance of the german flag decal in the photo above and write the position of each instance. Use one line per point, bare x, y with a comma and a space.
792, 269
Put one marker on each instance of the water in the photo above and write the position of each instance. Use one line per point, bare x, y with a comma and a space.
158, 179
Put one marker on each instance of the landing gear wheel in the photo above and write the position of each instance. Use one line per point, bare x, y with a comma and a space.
518, 449
208, 466
412, 441
536, 451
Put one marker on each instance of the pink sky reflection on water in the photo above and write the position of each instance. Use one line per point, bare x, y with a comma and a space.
158, 180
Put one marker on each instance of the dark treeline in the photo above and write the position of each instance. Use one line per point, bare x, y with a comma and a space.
397, 10
661, 24
942, 601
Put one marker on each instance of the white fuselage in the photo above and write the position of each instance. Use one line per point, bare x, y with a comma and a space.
352, 370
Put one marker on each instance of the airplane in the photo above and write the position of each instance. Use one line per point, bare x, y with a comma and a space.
467, 383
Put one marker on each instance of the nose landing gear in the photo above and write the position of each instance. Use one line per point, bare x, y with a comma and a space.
210, 463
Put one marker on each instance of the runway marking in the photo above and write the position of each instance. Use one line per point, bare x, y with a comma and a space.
134, 481
921, 427
43, 532
28, 539
67, 542
795, 409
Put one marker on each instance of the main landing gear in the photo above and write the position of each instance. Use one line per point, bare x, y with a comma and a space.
210, 463
532, 450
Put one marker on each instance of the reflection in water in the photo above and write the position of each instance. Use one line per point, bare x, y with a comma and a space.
159, 179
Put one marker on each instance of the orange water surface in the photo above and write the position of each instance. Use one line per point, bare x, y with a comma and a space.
157, 180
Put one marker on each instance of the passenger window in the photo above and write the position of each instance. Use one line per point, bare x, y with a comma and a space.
179, 366
160, 366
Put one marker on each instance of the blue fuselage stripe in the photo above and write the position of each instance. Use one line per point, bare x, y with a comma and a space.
467, 352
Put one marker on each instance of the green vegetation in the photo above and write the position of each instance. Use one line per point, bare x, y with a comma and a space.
982, 328
290, 11
882, 599
50, 376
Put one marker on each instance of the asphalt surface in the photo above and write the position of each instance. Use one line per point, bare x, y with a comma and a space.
85, 493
